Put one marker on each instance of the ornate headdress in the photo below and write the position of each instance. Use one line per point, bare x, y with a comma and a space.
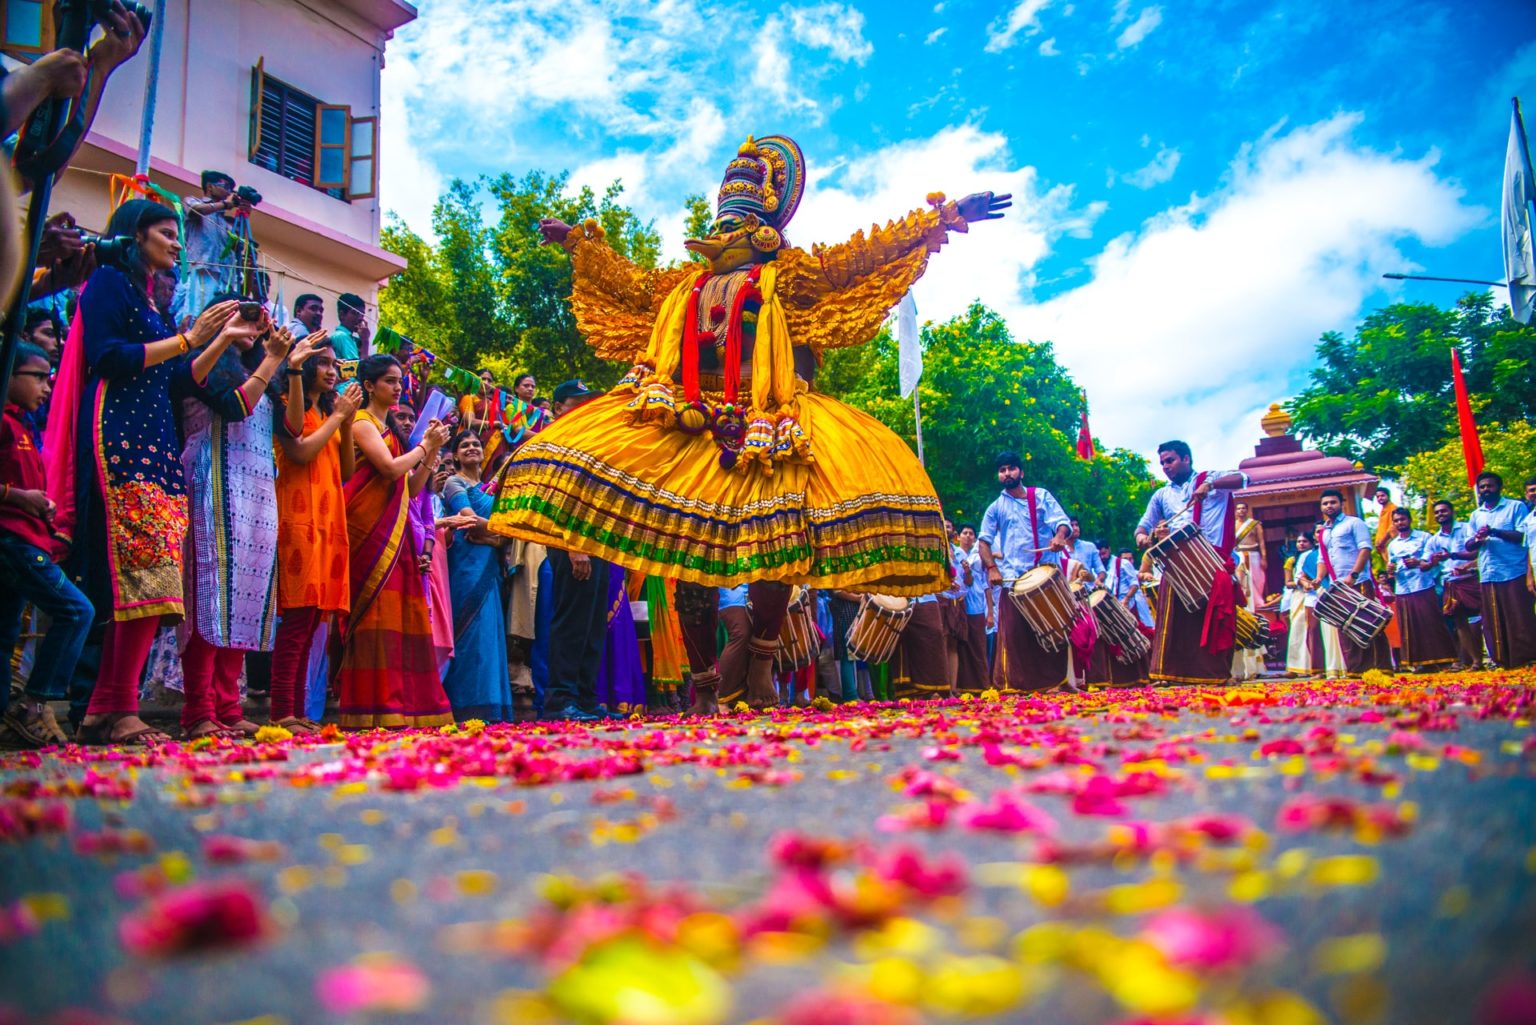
763, 185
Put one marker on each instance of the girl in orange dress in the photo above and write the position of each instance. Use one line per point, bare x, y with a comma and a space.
314, 457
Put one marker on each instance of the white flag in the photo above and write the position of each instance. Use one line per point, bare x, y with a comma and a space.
909, 349
1519, 190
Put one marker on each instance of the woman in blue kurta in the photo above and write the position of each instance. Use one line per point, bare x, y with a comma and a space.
126, 368
476, 681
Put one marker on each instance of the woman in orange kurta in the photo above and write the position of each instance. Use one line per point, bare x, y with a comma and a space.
314, 457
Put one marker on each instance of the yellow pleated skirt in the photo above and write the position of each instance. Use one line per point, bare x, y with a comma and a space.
860, 515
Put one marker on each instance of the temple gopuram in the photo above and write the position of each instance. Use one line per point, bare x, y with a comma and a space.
1286, 482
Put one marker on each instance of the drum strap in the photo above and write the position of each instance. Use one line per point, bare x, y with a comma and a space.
1224, 546
1034, 521
1322, 553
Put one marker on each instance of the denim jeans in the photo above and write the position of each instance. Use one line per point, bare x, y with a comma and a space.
31, 576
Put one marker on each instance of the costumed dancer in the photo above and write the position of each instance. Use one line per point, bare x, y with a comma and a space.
1345, 549
714, 461
1017, 531
1193, 647
1427, 642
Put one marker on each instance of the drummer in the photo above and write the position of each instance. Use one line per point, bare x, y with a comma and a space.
1022, 529
1183, 650
1345, 550
1122, 580
1427, 642
921, 666
973, 672
1463, 600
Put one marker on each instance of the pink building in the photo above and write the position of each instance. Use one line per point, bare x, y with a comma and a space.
281, 94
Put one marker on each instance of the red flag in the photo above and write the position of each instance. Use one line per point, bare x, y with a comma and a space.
1084, 438
1471, 446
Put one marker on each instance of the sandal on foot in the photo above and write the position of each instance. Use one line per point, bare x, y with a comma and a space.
27, 724
297, 725
216, 730
100, 733
243, 728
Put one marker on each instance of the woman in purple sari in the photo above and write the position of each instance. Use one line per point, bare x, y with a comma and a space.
621, 678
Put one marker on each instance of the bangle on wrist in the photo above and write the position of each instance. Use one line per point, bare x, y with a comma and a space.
183, 343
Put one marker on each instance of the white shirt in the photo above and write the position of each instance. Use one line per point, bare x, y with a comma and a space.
1344, 538
1007, 531
1167, 504
976, 594
1124, 583
1406, 579
1087, 553
1499, 560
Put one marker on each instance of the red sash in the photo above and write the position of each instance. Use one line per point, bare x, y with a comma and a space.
1219, 631
1034, 521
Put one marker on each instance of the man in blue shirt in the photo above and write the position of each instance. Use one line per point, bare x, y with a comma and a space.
973, 674
1024, 528
1184, 651
1345, 550
1087, 553
1427, 643
1462, 603
1509, 624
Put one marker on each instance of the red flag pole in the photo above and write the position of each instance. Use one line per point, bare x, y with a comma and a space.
1471, 445
1085, 436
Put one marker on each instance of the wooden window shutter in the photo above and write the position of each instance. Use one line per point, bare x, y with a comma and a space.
258, 87
333, 145
26, 27
363, 164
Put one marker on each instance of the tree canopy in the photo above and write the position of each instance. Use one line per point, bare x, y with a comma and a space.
1509, 449
489, 293
983, 393
1386, 394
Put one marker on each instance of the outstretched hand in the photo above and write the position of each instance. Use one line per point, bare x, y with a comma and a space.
554, 231
984, 206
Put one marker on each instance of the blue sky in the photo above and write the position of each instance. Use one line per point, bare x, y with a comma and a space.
1200, 188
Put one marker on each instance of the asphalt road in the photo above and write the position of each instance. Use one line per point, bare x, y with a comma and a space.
1364, 853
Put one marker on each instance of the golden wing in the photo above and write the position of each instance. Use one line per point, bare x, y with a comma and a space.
614, 300
838, 296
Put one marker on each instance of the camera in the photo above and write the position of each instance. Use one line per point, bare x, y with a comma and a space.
109, 249
247, 195
250, 311
101, 8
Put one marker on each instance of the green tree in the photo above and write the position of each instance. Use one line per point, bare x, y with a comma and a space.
1509, 449
489, 292
1386, 394
700, 218
983, 393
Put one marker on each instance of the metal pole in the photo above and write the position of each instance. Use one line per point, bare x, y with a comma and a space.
917, 413
151, 87
1464, 281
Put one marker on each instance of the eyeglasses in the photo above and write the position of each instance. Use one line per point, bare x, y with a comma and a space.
41, 375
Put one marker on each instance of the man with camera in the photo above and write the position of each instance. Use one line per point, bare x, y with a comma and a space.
209, 267
350, 335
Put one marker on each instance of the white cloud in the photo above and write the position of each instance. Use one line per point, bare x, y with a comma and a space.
991, 262
1048, 48
408, 183
1025, 18
1136, 31
1193, 325
933, 36
836, 28
1161, 169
